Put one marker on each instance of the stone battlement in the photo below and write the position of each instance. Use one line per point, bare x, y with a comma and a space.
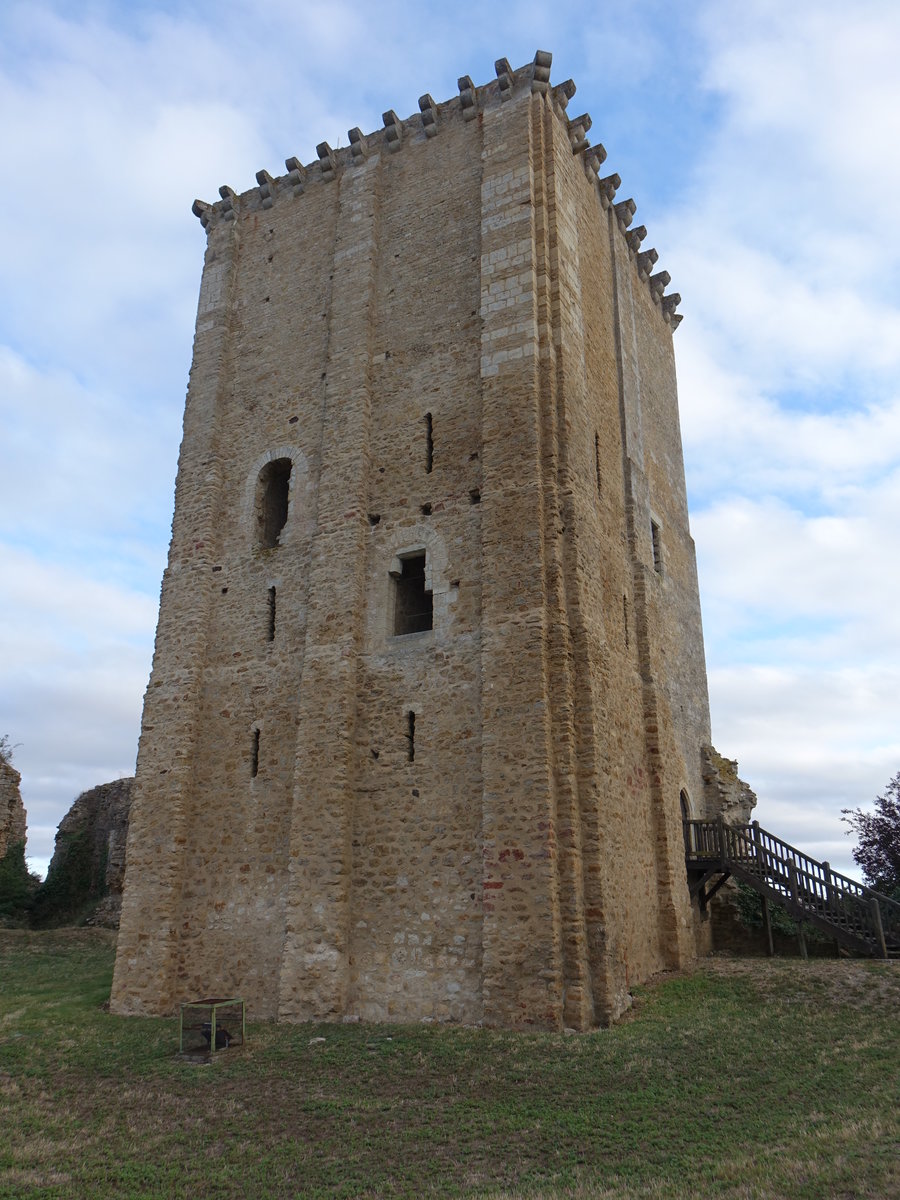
472, 100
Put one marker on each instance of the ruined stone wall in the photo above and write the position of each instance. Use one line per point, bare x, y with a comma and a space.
449, 333
12, 810
725, 792
88, 863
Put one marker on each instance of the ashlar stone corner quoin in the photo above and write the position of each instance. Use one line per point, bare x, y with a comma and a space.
428, 698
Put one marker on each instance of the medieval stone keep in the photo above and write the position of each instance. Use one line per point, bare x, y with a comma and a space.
429, 696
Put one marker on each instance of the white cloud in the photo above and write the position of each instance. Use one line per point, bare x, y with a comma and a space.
86, 479
825, 567
811, 742
789, 235
104, 138
76, 656
816, 82
742, 438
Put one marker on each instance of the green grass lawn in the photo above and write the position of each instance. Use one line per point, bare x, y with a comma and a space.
745, 1079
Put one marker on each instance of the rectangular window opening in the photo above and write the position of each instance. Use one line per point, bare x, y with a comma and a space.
429, 445
656, 541
411, 736
270, 628
254, 755
413, 605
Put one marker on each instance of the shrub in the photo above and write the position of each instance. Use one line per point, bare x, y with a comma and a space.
877, 852
17, 886
74, 883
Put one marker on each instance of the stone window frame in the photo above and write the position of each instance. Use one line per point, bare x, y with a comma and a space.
298, 518
395, 570
380, 632
272, 502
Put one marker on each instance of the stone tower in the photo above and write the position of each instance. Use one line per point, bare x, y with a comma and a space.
429, 696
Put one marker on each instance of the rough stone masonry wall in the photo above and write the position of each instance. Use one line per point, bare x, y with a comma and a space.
12, 810
89, 856
101, 815
451, 334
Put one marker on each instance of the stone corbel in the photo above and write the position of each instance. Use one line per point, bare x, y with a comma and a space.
326, 160
468, 97
505, 77
635, 236
393, 130
266, 188
658, 284
609, 185
595, 157
564, 93
578, 128
646, 261
229, 195
201, 209
428, 109
540, 72
296, 175
625, 211
358, 147
669, 304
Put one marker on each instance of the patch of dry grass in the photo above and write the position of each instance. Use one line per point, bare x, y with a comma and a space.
746, 1080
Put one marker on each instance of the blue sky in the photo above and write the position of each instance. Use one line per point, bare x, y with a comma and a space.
759, 142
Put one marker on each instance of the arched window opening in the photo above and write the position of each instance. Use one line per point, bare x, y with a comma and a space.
272, 494
413, 604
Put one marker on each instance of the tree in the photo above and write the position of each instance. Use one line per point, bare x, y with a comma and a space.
878, 836
17, 886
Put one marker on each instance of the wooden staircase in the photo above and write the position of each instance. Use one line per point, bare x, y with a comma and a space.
809, 890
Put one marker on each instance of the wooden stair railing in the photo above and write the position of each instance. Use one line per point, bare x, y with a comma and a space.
808, 889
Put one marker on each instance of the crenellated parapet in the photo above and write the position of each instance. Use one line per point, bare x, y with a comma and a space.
426, 125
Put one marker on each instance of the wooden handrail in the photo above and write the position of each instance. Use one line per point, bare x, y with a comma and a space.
808, 887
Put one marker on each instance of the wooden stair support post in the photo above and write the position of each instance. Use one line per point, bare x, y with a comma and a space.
767, 922
795, 896
829, 901
879, 928
801, 939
